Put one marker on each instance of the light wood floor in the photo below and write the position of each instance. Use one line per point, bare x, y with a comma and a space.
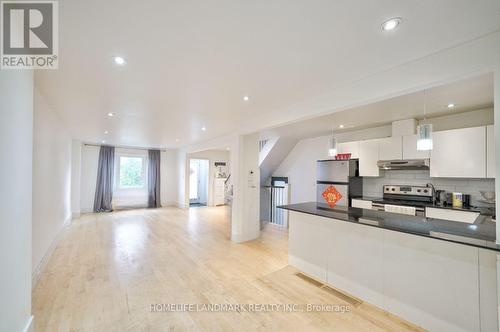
108, 269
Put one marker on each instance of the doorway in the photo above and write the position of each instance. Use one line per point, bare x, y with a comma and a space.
198, 182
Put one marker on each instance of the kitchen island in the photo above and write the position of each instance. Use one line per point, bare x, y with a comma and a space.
438, 274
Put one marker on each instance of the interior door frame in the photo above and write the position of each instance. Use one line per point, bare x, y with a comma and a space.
197, 200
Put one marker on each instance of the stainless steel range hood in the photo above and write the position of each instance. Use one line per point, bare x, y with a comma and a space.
409, 164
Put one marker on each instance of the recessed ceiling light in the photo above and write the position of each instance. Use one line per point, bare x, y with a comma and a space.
203, 128
391, 24
246, 98
106, 132
451, 105
177, 140
111, 114
227, 148
119, 60
103, 141
341, 126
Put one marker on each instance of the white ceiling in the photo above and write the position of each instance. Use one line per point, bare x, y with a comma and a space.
467, 95
189, 63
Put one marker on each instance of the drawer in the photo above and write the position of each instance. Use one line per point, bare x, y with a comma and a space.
362, 204
453, 215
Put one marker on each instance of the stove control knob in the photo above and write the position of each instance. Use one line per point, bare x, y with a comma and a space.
393, 189
426, 191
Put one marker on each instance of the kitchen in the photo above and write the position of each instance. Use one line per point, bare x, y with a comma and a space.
405, 227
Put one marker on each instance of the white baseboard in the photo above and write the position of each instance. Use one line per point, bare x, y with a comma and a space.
75, 215
35, 276
239, 238
29, 327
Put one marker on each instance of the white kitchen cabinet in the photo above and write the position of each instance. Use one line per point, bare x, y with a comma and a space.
349, 147
490, 152
410, 148
308, 244
459, 153
391, 148
368, 157
408, 276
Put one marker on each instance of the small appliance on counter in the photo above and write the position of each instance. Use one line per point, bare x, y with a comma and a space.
337, 181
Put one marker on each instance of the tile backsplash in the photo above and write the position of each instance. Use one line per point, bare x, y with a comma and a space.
372, 186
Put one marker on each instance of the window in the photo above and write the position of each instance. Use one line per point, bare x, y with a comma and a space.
132, 172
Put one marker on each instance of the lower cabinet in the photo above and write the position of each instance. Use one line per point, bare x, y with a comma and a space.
308, 245
438, 285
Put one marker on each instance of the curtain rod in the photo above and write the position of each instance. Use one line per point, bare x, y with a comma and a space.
122, 147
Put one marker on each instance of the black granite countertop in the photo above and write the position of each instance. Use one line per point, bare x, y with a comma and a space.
481, 234
484, 210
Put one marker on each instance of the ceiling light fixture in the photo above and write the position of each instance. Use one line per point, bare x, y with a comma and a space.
204, 128
246, 98
451, 105
424, 131
103, 141
111, 114
391, 24
106, 132
119, 60
332, 145
177, 140
341, 126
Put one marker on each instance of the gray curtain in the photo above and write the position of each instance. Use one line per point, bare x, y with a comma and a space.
105, 174
154, 178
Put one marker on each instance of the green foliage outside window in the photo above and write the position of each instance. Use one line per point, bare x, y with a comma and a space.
131, 172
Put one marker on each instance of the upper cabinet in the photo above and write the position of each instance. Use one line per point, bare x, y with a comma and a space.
410, 148
349, 147
391, 148
459, 153
368, 157
490, 152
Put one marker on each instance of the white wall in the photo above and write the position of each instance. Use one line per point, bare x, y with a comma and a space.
51, 178
16, 151
90, 159
89, 162
300, 165
169, 178
245, 224
76, 177
212, 156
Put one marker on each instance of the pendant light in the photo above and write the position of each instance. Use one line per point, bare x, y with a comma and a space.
332, 146
424, 131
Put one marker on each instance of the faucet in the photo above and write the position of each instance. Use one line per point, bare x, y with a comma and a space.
430, 185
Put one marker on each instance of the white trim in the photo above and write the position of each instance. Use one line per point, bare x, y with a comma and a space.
29, 327
239, 238
35, 276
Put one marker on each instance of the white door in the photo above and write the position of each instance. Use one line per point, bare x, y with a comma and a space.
410, 148
490, 152
368, 157
198, 181
391, 148
459, 153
